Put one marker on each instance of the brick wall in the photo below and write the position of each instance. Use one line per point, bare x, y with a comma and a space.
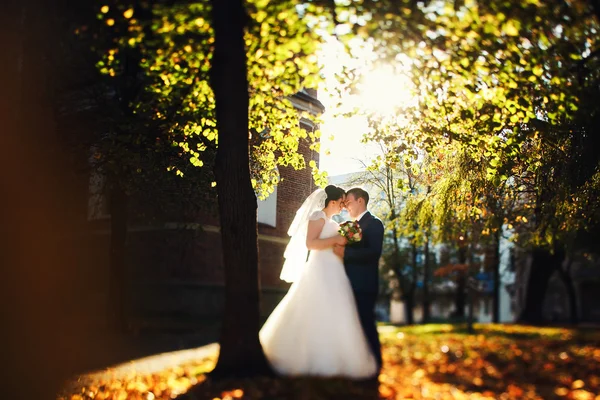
176, 271
293, 189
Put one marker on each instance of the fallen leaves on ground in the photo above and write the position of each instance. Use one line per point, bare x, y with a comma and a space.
498, 362
421, 362
166, 384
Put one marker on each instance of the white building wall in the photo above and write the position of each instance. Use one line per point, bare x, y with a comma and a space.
267, 210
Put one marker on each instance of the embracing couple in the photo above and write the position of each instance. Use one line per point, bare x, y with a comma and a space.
325, 325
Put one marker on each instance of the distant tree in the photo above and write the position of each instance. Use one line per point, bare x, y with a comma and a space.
509, 83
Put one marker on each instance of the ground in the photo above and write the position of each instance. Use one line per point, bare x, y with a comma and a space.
420, 362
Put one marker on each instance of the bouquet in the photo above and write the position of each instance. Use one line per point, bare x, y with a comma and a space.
351, 231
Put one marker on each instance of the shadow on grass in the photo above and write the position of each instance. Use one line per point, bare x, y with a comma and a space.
274, 388
108, 348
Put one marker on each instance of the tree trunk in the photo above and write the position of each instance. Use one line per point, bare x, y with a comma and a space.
461, 286
596, 8
426, 299
40, 308
411, 292
397, 261
470, 294
460, 296
118, 266
241, 353
471, 299
496, 278
543, 265
409, 307
405, 291
565, 276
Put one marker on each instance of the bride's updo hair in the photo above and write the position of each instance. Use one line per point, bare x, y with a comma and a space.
333, 193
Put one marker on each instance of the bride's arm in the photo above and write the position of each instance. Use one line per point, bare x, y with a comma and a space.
312, 237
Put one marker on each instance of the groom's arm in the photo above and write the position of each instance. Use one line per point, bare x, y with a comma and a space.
370, 252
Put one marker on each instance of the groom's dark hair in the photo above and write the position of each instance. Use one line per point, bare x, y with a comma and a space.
359, 193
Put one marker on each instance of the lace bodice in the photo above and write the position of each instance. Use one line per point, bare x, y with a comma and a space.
329, 229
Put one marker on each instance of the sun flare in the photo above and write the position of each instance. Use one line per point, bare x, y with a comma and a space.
385, 92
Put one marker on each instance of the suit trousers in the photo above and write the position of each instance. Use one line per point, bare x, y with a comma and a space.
365, 303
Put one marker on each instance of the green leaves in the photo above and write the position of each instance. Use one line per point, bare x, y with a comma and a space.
175, 44
538, 70
511, 27
502, 83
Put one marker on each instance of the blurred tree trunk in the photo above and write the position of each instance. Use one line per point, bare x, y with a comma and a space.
403, 285
426, 278
596, 8
118, 205
567, 279
241, 352
471, 289
461, 284
412, 287
40, 309
496, 278
543, 265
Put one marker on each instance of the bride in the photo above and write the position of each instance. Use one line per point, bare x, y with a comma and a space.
315, 330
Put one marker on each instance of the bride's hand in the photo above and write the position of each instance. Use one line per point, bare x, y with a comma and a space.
339, 251
340, 240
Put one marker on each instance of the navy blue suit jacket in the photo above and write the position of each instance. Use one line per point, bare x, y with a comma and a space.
362, 259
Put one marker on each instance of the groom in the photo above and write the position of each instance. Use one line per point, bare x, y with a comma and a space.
362, 264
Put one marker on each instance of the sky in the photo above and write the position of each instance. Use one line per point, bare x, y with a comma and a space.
341, 147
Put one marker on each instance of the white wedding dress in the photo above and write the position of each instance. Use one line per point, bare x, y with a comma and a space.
315, 329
